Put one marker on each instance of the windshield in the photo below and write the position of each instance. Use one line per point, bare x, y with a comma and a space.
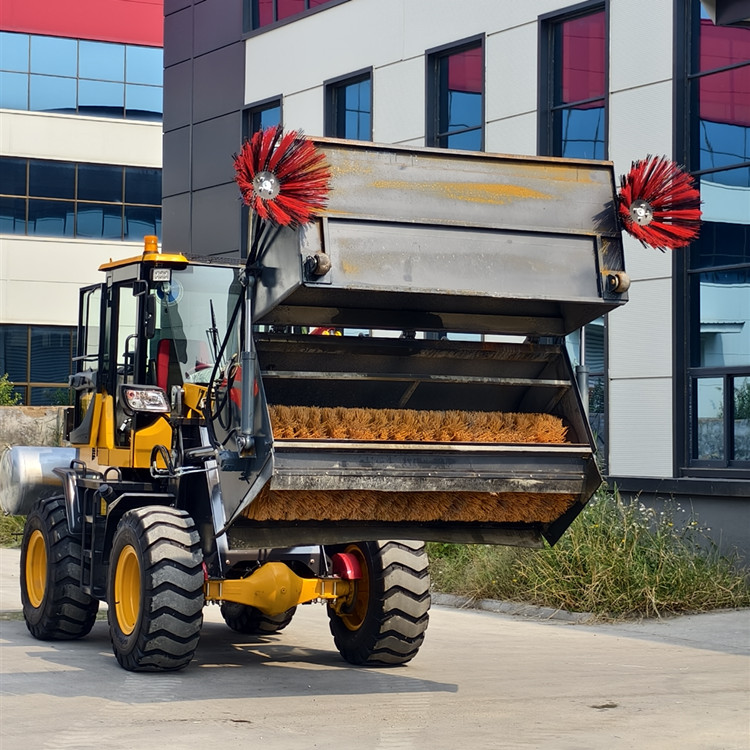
193, 312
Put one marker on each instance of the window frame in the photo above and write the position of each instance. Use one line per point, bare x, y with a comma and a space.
251, 24
331, 92
74, 203
433, 60
26, 386
686, 307
548, 75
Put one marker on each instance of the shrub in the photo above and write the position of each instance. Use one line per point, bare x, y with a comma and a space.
618, 559
8, 397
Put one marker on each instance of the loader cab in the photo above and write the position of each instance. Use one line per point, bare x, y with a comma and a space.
152, 325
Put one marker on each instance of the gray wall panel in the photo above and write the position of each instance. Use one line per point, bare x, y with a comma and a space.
178, 28
176, 152
214, 142
219, 82
219, 23
177, 96
175, 213
216, 218
172, 6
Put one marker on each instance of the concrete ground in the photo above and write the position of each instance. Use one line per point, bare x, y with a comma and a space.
481, 680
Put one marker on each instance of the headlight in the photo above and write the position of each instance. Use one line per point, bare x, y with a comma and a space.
144, 398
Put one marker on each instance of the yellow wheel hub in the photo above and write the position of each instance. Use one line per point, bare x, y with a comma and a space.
36, 568
127, 602
354, 610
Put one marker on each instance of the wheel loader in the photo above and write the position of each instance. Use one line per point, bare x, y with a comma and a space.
223, 452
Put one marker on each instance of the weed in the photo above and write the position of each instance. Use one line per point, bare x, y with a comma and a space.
618, 560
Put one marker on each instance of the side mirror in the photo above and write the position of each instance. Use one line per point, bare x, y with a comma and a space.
150, 320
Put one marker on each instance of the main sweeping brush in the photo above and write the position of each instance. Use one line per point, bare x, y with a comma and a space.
658, 204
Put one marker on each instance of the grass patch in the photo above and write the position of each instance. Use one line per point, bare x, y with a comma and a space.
618, 560
11, 529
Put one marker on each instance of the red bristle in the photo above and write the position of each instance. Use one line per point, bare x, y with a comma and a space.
673, 199
301, 171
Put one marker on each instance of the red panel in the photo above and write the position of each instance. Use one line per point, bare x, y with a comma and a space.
583, 41
465, 71
127, 21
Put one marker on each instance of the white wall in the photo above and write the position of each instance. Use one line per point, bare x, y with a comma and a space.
38, 135
640, 334
40, 277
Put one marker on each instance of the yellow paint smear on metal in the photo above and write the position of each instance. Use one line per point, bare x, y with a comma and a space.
472, 192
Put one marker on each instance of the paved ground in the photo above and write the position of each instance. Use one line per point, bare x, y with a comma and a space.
481, 680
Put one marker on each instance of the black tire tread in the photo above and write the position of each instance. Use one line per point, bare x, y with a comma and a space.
66, 612
398, 612
171, 558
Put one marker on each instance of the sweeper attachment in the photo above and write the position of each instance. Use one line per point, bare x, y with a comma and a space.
223, 451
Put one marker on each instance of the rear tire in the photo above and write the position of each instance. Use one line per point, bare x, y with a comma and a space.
155, 589
54, 606
385, 619
243, 618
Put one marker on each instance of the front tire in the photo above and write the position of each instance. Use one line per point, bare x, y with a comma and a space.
385, 619
248, 620
54, 605
155, 589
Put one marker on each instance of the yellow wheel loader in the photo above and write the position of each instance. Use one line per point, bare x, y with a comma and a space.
221, 452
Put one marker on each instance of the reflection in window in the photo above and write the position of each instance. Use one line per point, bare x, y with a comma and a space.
741, 426
709, 411
456, 85
262, 116
103, 79
577, 103
718, 265
349, 108
83, 200
264, 12
38, 361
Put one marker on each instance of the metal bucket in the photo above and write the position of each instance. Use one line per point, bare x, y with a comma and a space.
26, 475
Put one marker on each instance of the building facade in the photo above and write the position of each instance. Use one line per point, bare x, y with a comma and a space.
670, 373
80, 168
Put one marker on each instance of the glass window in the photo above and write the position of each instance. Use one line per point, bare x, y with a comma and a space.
99, 220
715, 274
52, 94
51, 218
577, 100
142, 185
14, 91
349, 106
140, 221
51, 349
101, 98
14, 52
101, 60
263, 116
51, 179
12, 216
286, 8
741, 426
724, 313
54, 56
709, 409
264, 12
143, 102
97, 182
456, 85
87, 77
144, 65
14, 350
13, 173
